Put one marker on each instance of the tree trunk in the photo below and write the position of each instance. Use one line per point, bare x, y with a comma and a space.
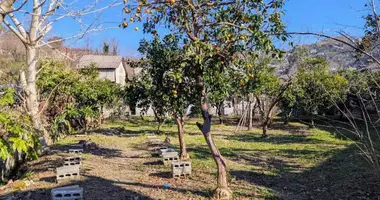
235, 106
265, 130
287, 116
312, 123
250, 116
220, 107
222, 190
268, 119
158, 119
5, 6
32, 104
182, 145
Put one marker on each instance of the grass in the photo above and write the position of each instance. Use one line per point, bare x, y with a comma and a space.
284, 152
293, 163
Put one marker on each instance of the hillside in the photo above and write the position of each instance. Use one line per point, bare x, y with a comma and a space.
337, 54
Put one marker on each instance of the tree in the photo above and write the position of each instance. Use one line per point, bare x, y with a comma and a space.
316, 88
213, 30
43, 14
219, 85
106, 48
70, 99
264, 85
168, 81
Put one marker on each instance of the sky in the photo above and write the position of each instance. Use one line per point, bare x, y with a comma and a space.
327, 16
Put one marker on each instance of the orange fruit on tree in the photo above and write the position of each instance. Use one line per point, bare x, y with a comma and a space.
251, 75
127, 10
125, 24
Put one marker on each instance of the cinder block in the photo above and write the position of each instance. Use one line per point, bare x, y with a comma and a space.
155, 141
77, 150
165, 150
157, 147
67, 172
151, 136
169, 157
181, 169
76, 146
67, 193
75, 160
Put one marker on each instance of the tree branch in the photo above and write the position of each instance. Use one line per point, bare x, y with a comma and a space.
17, 33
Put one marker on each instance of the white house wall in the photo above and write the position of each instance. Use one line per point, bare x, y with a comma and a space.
120, 74
107, 74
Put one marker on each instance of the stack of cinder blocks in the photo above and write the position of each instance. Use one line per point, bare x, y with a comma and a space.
69, 170
169, 156
71, 164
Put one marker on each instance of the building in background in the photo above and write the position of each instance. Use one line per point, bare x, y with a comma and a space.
109, 67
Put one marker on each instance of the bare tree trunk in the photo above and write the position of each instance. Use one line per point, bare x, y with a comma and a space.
222, 190
182, 145
32, 104
5, 7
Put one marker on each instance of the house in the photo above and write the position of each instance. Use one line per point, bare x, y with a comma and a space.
110, 67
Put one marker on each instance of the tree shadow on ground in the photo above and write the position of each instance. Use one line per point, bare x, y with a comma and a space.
162, 174
342, 129
95, 188
344, 176
275, 139
120, 131
99, 151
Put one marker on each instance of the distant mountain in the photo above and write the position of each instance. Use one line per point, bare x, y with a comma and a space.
337, 54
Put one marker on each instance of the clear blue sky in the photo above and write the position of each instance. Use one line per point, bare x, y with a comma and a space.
328, 16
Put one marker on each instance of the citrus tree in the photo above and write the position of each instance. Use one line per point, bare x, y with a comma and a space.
215, 30
317, 88
264, 85
169, 81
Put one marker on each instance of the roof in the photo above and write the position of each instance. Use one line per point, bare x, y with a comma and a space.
100, 61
